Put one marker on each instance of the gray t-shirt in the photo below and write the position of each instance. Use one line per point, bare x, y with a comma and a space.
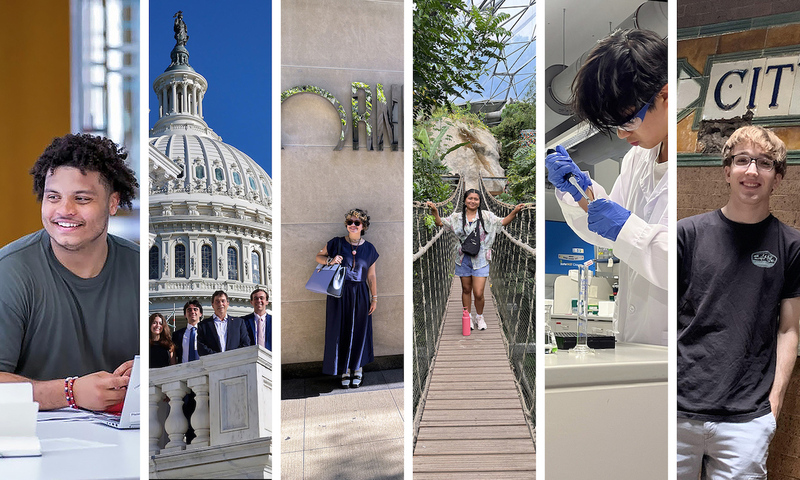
54, 324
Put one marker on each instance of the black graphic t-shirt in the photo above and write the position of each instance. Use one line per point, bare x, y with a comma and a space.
732, 278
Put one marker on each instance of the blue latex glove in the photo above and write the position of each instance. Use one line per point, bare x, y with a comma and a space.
606, 218
559, 167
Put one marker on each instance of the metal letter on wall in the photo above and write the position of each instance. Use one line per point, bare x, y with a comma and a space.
327, 96
396, 112
383, 121
364, 117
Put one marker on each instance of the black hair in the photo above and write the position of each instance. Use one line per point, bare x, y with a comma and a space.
620, 75
194, 302
464, 210
88, 153
256, 291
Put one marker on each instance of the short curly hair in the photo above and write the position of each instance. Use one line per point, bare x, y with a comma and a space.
359, 214
88, 153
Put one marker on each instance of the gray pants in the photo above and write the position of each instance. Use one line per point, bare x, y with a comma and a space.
724, 450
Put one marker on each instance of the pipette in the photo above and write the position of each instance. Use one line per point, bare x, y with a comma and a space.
574, 181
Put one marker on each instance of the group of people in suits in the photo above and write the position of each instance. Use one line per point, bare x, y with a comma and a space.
218, 333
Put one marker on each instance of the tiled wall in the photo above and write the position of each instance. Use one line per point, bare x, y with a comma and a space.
692, 13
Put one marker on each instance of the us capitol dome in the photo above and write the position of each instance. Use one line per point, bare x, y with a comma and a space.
210, 204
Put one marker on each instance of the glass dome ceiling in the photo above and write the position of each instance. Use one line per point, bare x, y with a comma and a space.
511, 77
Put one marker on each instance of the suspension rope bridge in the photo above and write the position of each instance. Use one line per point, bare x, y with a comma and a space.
474, 396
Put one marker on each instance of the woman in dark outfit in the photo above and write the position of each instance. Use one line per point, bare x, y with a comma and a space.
348, 330
161, 348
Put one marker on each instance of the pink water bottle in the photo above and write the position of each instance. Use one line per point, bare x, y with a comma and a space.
465, 323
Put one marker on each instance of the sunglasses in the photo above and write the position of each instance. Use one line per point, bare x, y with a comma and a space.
357, 223
637, 119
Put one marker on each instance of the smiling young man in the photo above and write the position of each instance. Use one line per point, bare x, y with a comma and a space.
70, 295
259, 323
622, 88
220, 332
738, 317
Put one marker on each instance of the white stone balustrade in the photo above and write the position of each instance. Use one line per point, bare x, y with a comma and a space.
233, 392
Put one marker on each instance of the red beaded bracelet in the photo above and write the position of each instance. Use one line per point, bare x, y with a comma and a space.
68, 384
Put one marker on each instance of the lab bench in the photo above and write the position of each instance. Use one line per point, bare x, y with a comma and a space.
606, 413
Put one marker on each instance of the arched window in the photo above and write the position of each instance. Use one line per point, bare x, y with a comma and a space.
180, 260
233, 264
205, 261
256, 267
154, 271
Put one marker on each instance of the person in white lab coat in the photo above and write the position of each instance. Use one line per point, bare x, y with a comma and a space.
622, 87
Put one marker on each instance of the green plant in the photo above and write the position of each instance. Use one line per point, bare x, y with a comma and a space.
515, 118
452, 45
428, 167
522, 175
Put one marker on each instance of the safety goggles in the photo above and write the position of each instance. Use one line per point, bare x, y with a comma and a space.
636, 121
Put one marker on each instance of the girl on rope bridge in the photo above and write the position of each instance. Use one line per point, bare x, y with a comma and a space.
475, 252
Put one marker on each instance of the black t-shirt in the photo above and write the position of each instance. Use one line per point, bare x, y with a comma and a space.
731, 280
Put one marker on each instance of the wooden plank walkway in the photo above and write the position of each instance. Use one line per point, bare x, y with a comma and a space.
472, 425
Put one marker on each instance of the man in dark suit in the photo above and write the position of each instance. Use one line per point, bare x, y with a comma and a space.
220, 332
186, 343
259, 323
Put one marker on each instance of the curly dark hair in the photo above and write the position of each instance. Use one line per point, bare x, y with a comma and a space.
359, 214
88, 153
620, 75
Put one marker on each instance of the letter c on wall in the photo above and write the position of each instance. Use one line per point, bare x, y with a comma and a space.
718, 90
327, 96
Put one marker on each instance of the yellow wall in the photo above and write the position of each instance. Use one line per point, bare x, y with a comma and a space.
34, 102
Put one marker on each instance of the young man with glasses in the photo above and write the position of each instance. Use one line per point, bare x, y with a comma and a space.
622, 88
738, 317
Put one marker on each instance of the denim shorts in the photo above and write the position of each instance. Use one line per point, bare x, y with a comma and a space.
466, 270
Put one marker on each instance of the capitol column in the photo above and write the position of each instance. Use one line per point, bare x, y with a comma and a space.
172, 108
185, 97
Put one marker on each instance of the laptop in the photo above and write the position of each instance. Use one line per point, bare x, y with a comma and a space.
129, 418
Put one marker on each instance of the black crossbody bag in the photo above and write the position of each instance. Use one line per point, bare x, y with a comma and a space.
472, 244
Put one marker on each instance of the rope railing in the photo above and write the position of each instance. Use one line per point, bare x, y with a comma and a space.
434, 251
512, 276
512, 284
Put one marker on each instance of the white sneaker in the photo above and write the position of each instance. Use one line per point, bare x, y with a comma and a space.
471, 321
481, 323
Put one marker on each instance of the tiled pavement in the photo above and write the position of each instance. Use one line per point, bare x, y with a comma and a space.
328, 432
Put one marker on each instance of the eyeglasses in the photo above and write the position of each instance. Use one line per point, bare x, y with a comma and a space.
357, 223
763, 164
637, 119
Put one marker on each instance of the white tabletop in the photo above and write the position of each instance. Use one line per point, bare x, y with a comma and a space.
627, 363
78, 450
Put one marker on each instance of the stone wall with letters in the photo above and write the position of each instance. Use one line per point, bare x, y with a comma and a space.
328, 47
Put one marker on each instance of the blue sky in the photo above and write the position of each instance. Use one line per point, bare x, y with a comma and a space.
230, 44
